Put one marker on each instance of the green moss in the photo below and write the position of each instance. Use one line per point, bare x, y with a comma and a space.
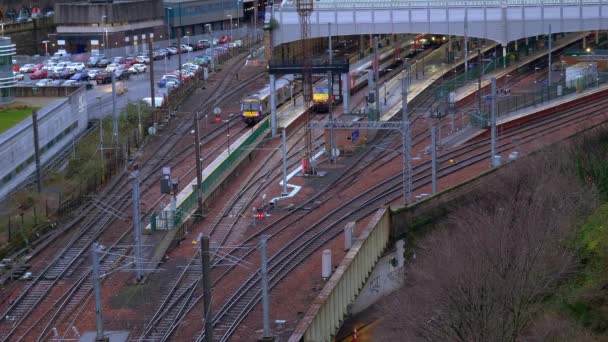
584, 298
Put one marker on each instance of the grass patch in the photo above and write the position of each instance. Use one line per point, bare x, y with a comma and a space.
9, 117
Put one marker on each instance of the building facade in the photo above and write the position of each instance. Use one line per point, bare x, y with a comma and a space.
93, 26
193, 17
7, 80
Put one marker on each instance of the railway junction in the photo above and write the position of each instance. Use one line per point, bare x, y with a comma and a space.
324, 199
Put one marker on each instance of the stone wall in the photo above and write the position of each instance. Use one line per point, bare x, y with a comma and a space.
58, 123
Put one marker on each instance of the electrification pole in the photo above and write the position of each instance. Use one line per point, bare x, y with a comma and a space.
284, 150
114, 112
377, 77
330, 90
137, 226
206, 261
99, 336
493, 123
151, 57
549, 54
434, 160
407, 143
37, 151
199, 167
265, 301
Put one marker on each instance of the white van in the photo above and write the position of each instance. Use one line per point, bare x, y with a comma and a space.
158, 101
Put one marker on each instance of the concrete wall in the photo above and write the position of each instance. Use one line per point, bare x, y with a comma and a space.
58, 123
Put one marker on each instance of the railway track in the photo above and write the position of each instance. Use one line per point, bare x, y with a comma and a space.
288, 257
94, 222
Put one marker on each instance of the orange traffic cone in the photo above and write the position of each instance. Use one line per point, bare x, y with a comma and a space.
355, 337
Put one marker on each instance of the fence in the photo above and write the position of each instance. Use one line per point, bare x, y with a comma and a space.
330, 307
543, 93
163, 218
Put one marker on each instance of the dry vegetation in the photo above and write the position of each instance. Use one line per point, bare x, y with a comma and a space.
517, 262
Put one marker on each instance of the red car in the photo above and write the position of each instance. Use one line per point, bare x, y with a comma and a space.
225, 39
39, 74
16, 68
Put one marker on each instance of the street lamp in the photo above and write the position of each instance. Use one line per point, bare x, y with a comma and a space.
46, 47
188, 38
103, 38
230, 16
167, 16
227, 121
238, 17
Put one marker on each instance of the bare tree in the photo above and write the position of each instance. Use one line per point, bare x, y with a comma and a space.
483, 274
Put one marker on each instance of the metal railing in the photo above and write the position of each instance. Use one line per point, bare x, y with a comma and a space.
330, 307
342, 4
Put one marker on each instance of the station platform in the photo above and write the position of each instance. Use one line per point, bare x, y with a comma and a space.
471, 88
471, 132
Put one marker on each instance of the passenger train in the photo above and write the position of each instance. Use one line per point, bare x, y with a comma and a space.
358, 77
255, 106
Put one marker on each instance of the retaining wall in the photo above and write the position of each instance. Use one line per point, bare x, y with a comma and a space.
58, 124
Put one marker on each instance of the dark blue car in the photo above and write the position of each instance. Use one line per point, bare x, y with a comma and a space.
80, 77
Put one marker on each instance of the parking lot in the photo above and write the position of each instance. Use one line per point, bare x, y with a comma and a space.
132, 72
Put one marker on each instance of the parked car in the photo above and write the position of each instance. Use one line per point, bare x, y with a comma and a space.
92, 62
191, 67
92, 73
186, 48
61, 53
119, 60
113, 66
39, 74
121, 74
70, 83
56, 83
49, 66
66, 73
165, 79
80, 77
172, 50
43, 82
158, 101
60, 66
142, 59
203, 44
225, 39
103, 62
202, 60
129, 61
49, 14
37, 15
75, 66
27, 68
103, 78
18, 76
20, 20
137, 68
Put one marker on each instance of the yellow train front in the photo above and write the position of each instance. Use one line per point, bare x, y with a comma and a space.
251, 110
320, 97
